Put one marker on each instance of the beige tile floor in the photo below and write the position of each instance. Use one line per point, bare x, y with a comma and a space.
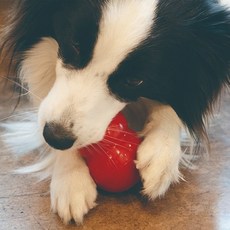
200, 203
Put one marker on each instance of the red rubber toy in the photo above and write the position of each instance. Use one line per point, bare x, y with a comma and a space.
111, 161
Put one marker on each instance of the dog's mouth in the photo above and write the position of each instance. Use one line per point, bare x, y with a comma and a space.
58, 137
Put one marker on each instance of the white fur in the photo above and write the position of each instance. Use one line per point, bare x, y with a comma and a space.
124, 25
43, 168
160, 153
73, 192
225, 2
24, 135
38, 69
82, 97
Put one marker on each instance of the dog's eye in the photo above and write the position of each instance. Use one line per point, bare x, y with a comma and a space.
135, 82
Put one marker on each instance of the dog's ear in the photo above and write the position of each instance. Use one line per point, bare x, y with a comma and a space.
27, 22
184, 63
204, 65
31, 20
197, 61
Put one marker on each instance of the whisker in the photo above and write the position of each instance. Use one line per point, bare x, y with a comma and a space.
22, 87
93, 147
89, 149
28, 110
104, 151
11, 116
115, 129
19, 115
122, 140
114, 143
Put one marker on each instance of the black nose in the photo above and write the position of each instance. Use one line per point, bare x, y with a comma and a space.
58, 137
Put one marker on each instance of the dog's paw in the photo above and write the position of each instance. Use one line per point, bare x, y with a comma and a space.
72, 196
158, 164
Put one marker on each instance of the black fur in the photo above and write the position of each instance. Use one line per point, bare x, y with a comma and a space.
30, 20
184, 63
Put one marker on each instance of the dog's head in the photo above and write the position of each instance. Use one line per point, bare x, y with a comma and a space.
86, 59
91, 43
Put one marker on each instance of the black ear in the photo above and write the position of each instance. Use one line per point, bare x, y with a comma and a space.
200, 64
194, 43
184, 62
28, 21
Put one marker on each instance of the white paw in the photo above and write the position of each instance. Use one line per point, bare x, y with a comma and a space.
72, 196
158, 162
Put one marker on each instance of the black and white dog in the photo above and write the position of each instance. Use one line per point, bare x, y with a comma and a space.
83, 61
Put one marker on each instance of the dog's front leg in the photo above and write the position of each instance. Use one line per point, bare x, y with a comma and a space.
73, 192
159, 154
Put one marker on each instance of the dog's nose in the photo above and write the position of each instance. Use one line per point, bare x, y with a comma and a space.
58, 137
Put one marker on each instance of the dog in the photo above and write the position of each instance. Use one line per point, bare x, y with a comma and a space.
165, 62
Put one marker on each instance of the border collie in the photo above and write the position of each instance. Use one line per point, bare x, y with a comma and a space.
83, 61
